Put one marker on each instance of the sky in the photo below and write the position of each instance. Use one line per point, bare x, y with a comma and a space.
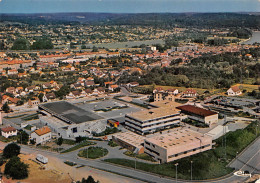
128, 6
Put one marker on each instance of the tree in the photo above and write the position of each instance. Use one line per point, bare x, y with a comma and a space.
16, 169
21, 44
94, 49
23, 137
40, 96
79, 139
11, 150
42, 43
59, 141
6, 108
90, 179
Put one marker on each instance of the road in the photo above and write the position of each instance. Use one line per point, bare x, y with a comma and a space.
130, 172
249, 159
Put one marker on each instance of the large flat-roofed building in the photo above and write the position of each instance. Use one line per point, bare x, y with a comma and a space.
152, 120
177, 144
130, 141
199, 114
69, 121
68, 112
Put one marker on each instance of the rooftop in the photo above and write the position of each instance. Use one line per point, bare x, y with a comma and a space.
164, 110
69, 112
8, 129
131, 138
178, 137
42, 131
196, 110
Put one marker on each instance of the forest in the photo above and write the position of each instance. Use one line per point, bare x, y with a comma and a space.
208, 71
167, 20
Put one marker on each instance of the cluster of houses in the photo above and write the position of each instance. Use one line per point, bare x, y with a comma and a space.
39, 136
170, 94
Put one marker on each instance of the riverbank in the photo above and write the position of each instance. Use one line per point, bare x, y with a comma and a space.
254, 39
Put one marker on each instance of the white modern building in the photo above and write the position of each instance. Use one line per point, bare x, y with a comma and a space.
176, 145
152, 120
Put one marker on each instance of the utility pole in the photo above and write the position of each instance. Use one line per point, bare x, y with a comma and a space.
176, 165
135, 161
87, 152
191, 170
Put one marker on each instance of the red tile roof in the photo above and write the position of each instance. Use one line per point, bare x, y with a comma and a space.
8, 129
196, 110
43, 130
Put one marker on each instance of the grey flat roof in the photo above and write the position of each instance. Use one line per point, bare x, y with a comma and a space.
71, 112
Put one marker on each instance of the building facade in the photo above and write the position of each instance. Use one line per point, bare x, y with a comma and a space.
199, 114
176, 145
8, 131
152, 120
41, 135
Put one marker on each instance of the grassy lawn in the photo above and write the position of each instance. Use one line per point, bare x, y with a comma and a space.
30, 117
248, 87
18, 116
43, 147
209, 164
93, 152
139, 156
10, 139
67, 141
78, 146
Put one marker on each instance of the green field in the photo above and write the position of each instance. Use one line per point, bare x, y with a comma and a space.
78, 146
93, 152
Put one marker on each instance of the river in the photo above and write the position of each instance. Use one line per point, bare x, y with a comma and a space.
255, 38
128, 44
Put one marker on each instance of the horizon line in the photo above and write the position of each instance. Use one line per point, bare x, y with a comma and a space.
139, 12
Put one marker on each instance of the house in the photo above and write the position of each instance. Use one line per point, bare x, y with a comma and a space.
73, 94
48, 97
12, 72
89, 83
169, 95
190, 93
32, 103
88, 92
132, 84
11, 90
99, 91
41, 135
8, 131
234, 91
113, 87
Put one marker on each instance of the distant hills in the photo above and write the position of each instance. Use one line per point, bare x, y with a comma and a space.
214, 20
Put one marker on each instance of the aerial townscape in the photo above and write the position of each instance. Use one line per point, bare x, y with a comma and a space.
129, 97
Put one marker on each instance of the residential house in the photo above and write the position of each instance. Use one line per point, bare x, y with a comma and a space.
190, 93
48, 97
234, 91
41, 135
33, 103
8, 131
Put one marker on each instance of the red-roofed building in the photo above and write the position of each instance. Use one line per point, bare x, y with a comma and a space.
8, 131
190, 93
41, 135
199, 114
234, 91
